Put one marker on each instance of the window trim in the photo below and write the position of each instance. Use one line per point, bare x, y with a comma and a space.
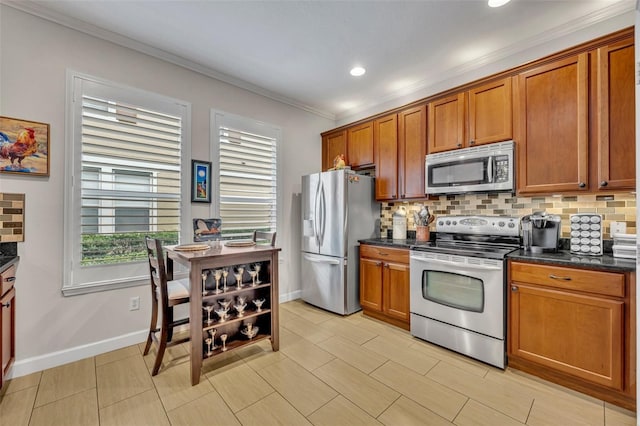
218, 117
138, 274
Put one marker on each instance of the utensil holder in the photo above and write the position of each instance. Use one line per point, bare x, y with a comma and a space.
422, 233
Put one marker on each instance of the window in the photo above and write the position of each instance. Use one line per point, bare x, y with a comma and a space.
246, 175
124, 181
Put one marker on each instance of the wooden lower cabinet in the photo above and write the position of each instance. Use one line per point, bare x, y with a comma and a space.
384, 284
7, 321
575, 327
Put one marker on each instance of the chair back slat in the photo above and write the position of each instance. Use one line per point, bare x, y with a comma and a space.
263, 236
157, 269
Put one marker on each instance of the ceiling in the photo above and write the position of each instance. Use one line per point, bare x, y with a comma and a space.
300, 52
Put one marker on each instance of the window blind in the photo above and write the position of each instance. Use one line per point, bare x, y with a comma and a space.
247, 182
130, 181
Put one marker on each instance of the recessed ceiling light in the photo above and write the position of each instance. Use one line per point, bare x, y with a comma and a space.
498, 3
357, 71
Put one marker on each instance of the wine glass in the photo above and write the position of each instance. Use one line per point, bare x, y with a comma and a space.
217, 274
240, 308
250, 331
212, 332
208, 342
225, 272
225, 303
222, 313
223, 337
238, 279
259, 303
257, 267
252, 274
204, 280
208, 308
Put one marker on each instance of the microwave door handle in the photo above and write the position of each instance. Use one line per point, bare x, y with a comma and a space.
490, 169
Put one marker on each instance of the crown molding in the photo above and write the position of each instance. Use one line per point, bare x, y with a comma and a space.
43, 12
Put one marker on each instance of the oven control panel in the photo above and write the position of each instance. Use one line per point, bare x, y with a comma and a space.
481, 225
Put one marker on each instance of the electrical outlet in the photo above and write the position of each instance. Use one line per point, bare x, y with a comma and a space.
134, 303
618, 228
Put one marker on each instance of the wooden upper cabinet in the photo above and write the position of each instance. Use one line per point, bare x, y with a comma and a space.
447, 123
385, 144
479, 116
360, 145
490, 113
615, 117
412, 148
551, 126
333, 144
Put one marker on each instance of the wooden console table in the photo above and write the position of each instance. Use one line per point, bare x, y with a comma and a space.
207, 262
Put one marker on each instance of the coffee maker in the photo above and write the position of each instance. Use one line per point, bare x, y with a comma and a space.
541, 232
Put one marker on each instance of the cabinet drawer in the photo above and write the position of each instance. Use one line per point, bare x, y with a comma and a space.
8, 278
385, 253
597, 282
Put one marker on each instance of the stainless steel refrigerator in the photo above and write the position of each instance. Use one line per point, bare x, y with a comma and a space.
338, 209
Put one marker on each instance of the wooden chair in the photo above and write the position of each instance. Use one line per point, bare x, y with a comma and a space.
165, 294
269, 237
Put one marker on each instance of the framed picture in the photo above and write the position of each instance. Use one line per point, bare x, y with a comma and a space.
200, 181
24, 147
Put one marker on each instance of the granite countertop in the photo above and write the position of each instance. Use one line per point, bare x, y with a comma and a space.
605, 262
6, 261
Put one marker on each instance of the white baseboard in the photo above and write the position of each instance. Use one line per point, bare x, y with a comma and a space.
290, 296
55, 359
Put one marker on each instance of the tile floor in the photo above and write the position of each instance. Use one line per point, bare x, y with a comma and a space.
330, 370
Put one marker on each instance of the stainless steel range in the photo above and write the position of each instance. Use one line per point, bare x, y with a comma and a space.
457, 285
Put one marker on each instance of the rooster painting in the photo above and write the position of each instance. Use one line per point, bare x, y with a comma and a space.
24, 147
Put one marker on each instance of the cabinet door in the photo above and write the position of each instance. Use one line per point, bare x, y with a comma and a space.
396, 290
570, 332
360, 145
412, 148
446, 123
7, 332
551, 118
615, 117
333, 144
385, 142
371, 284
490, 113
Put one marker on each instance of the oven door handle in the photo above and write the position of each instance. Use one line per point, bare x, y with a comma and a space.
466, 265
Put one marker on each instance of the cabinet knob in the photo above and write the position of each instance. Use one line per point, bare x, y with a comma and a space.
582, 184
472, 142
386, 265
604, 183
459, 145
378, 263
514, 288
6, 305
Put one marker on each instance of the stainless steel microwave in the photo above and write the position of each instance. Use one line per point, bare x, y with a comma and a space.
483, 168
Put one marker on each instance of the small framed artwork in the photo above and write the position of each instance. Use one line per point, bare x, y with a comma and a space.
206, 229
200, 181
24, 147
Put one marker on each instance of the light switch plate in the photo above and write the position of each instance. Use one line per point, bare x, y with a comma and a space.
618, 228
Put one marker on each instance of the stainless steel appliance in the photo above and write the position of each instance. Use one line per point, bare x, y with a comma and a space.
457, 285
541, 232
483, 168
338, 209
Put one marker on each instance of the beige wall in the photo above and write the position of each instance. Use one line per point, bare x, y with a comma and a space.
35, 56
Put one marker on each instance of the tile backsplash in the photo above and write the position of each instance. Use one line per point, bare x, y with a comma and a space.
619, 207
11, 217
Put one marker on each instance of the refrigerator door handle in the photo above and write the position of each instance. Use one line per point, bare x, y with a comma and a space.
316, 218
323, 213
316, 260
